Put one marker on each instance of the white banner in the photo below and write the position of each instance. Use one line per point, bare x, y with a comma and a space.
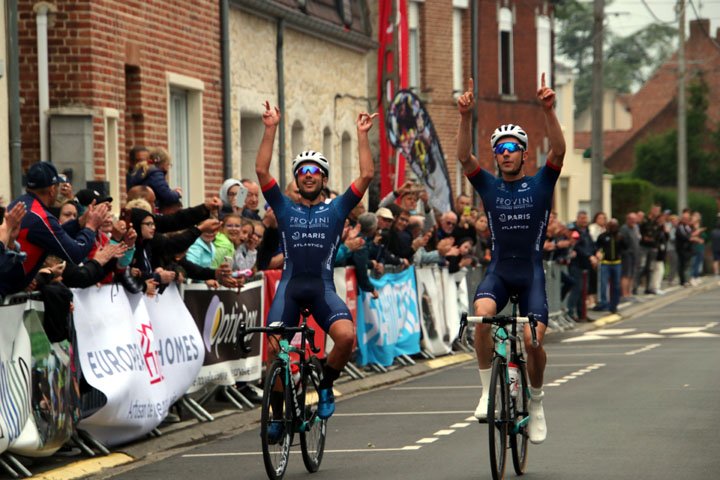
141, 353
15, 407
452, 314
435, 334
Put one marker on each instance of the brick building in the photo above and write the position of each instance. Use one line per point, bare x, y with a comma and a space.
653, 109
509, 71
124, 73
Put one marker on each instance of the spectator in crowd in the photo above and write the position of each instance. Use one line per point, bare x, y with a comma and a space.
153, 173
363, 258
649, 239
465, 227
630, 255
426, 253
463, 257
658, 269
42, 235
671, 223
385, 219
136, 155
355, 213
66, 190
580, 265
202, 251
598, 225
269, 254
68, 211
400, 242
250, 210
715, 239
684, 246
232, 242
228, 195
141, 191
699, 236
293, 192
11, 254
448, 222
255, 240
483, 244
610, 248
463, 203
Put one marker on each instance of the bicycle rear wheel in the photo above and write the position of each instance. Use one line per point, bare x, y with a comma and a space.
519, 435
312, 436
497, 418
276, 421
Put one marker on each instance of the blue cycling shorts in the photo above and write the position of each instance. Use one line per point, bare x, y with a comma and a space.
309, 292
520, 276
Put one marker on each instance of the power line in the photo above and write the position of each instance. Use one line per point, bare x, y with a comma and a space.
657, 19
702, 26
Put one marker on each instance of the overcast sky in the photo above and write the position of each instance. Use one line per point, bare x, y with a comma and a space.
635, 15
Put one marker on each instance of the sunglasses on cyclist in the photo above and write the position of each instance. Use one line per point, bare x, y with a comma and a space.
509, 146
311, 169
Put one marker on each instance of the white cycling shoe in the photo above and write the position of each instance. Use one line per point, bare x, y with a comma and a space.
537, 428
482, 407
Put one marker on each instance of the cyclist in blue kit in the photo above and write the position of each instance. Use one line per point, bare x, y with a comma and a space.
310, 232
517, 208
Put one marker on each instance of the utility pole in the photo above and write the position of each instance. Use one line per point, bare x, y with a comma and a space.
596, 147
682, 171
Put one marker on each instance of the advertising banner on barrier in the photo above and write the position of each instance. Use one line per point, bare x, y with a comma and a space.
218, 314
55, 391
141, 357
389, 325
452, 313
15, 388
435, 338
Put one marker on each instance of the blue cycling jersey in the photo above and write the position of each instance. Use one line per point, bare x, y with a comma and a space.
310, 237
517, 214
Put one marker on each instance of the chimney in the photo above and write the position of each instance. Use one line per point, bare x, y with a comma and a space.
700, 28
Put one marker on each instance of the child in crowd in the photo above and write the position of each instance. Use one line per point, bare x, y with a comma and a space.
152, 172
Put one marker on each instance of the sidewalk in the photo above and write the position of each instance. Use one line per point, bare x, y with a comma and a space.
185, 435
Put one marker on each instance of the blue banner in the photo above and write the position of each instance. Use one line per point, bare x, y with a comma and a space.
389, 325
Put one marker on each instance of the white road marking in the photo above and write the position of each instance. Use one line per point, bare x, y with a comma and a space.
696, 335
644, 335
643, 349
614, 331
584, 338
573, 375
427, 440
459, 387
682, 329
295, 452
471, 419
444, 432
460, 425
371, 414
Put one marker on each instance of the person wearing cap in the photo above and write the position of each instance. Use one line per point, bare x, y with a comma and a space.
311, 232
228, 194
518, 208
40, 232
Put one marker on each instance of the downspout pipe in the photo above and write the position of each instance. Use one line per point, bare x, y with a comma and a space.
226, 105
14, 99
41, 11
280, 65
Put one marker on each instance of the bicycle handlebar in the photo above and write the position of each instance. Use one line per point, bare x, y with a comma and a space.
500, 320
277, 330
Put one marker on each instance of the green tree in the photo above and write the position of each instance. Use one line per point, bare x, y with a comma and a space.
628, 61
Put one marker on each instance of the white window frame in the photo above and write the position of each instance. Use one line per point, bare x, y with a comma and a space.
196, 159
543, 26
505, 24
413, 45
112, 155
346, 159
459, 7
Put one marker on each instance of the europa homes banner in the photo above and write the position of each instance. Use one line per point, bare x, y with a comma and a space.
389, 325
15, 375
218, 314
141, 353
410, 130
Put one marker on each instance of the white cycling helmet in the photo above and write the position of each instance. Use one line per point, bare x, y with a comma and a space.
510, 130
311, 157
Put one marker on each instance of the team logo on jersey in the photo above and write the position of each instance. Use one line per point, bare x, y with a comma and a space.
306, 235
523, 187
511, 217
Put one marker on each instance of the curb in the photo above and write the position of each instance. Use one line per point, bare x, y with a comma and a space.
188, 434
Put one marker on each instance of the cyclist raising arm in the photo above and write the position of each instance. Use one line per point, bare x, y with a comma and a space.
310, 232
517, 209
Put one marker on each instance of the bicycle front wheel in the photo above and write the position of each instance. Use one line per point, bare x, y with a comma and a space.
497, 418
519, 434
276, 421
314, 428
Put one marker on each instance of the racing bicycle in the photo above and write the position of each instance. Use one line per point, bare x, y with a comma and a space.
290, 396
509, 396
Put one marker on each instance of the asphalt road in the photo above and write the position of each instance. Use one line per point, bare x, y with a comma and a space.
637, 400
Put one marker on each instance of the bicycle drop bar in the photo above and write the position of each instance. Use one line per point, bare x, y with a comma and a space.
278, 330
502, 321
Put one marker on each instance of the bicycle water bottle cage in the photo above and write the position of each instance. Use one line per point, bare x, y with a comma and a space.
305, 312
514, 298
